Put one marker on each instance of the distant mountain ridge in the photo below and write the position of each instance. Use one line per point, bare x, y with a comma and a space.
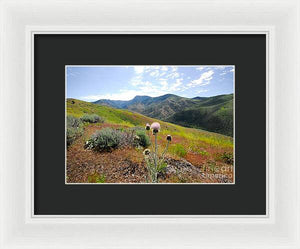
124, 104
209, 113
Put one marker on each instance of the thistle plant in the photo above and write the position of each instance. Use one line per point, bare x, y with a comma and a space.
155, 162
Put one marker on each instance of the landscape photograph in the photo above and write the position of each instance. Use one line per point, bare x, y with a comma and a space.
151, 124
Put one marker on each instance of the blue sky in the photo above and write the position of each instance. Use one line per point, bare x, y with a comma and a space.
90, 83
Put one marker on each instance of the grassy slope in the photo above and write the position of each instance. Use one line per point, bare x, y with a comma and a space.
193, 139
217, 117
211, 113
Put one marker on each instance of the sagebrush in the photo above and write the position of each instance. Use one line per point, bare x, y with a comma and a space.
143, 140
92, 118
74, 129
105, 140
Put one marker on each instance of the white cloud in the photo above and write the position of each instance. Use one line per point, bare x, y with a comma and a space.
154, 73
143, 88
164, 85
122, 95
204, 79
173, 75
135, 81
200, 68
91, 97
154, 67
225, 70
139, 82
139, 69
177, 85
202, 91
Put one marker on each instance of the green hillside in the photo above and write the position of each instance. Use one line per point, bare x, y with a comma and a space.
217, 118
126, 118
209, 113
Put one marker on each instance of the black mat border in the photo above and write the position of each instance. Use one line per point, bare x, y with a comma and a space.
246, 52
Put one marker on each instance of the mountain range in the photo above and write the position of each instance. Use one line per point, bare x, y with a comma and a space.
209, 113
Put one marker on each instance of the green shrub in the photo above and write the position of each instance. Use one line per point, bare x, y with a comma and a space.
203, 152
105, 140
137, 136
73, 122
74, 129
143, 138
92, 118
227, 157
178, 150
96, 178
73, 134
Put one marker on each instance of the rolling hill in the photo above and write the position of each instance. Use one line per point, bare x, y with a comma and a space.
126, 118
209, 113
192, 156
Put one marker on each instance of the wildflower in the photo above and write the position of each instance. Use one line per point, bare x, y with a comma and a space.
155, 163
146, 152
155, 127
147, 127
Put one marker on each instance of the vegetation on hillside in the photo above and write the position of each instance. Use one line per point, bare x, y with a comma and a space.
217, 118
111, 151
74, 129
92, 118
208, 113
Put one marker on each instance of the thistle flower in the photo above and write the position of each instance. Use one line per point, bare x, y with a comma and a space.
169, 138
155, 127
147, 127
155, 163
146, 152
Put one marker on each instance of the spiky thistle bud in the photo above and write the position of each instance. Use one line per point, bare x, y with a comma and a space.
169, 138
136, 137
146, 152
147, 127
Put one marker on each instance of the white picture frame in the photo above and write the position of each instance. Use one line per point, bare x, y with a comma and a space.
278, 19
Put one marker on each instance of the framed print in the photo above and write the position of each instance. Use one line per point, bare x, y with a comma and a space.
142, 124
